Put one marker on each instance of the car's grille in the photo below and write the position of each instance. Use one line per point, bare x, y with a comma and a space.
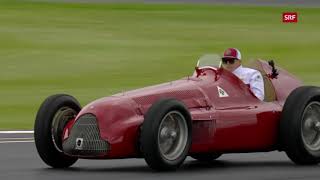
84, 138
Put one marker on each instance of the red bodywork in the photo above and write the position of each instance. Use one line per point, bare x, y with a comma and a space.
237, 123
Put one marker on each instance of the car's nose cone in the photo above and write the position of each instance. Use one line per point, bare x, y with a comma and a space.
84, 138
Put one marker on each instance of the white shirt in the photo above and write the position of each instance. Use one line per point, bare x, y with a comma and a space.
253, 78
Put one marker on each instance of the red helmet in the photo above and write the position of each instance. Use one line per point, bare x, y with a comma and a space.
232, 53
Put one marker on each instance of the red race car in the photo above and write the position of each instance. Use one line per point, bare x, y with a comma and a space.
203, 116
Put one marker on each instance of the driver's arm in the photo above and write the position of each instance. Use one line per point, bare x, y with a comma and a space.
257, 85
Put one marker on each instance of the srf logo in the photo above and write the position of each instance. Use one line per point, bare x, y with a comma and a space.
290, 17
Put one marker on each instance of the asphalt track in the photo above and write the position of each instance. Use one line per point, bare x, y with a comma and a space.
19, 160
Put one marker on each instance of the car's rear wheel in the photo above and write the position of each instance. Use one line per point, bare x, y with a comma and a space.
206, 157
300, 126
54, 114
166, 135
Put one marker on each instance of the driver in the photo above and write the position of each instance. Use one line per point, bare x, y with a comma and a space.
231, 61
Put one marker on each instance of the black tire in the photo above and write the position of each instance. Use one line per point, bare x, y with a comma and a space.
50, 151
150, 131
206, 157
290, 133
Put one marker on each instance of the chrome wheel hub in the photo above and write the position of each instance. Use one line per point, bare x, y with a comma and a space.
172, 135
317, 126
311, 126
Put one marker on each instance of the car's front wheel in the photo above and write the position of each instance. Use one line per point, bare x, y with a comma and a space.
54, 114
166, 135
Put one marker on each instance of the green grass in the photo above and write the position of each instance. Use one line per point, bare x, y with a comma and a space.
94, 50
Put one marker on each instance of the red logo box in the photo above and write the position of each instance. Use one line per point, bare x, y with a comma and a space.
290, 17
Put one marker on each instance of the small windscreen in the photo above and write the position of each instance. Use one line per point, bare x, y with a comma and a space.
211, 60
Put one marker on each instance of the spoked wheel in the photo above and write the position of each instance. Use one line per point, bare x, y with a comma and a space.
55, 112
172, 135
300, 126
166, 135
310, 129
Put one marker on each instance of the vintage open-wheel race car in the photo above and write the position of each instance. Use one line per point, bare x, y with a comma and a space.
203, 116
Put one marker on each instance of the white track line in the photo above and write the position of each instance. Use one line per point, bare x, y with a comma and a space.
5, 142
16, 132
17, 138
